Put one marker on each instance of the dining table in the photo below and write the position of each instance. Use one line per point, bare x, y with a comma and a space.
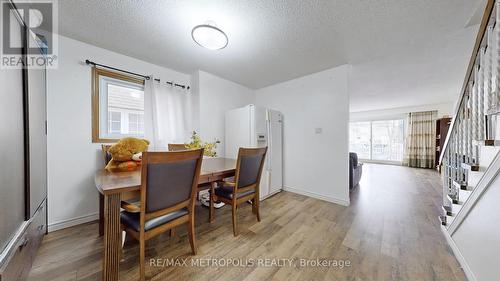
118, 186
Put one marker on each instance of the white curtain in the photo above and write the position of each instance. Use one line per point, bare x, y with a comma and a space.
167, 114
420, 148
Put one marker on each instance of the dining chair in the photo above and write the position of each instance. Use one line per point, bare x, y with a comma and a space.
245, 186
176, 146
168, 188
179, 147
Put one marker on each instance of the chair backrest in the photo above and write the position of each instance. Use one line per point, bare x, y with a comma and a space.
176, 147
105, 153
353, 159
249, 167
169, 181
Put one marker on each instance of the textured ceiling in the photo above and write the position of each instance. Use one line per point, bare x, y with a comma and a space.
430, 74
275, 41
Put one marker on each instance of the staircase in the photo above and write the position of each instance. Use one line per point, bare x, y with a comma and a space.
469, 161
470, 145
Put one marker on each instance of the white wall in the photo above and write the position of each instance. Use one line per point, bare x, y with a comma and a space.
319, 100
314, 164
478, 237
216, 96
443, 109
73, 158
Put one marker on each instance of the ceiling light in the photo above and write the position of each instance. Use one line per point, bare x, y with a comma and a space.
208, 35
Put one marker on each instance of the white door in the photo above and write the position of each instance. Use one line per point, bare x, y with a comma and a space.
275, 153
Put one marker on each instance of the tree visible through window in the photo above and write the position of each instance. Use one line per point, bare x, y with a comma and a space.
388, 140
360, 139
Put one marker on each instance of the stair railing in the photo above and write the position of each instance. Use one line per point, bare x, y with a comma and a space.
474, 121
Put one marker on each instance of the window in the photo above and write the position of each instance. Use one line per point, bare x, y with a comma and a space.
378, 140
388, 140
359, 141
117, 106
136, 123
115, 121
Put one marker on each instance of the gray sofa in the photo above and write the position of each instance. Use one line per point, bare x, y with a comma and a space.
355, 170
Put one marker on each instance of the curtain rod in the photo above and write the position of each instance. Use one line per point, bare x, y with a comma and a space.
174, 84
88, 62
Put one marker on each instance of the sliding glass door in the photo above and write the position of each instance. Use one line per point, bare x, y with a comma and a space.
378, 140
360, 139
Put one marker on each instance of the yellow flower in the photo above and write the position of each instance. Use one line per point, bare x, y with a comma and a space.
197, 143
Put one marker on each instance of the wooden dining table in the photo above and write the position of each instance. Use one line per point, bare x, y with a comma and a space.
126, 185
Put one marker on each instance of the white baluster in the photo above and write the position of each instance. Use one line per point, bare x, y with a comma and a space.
445, 169
488, 93
446, 181
496, 74
471, 148
468, 143
490, 100
464, 131
480, 94
450, 163
460, 143
475, 114
452, 159
457, 155
455, 158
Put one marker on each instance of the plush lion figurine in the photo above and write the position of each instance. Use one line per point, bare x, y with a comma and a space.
126, 154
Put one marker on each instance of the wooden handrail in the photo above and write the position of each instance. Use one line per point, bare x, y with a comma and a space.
479, 39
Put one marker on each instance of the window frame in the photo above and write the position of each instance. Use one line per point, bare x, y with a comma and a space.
96, 74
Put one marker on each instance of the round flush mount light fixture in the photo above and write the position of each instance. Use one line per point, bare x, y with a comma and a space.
209, 36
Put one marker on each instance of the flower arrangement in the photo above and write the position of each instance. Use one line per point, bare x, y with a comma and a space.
197, 143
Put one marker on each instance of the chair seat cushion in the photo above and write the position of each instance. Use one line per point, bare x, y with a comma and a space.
132, 220
227, 192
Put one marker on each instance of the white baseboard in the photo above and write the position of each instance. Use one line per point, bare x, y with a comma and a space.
72, 222
269, 195
461, 260
318, 196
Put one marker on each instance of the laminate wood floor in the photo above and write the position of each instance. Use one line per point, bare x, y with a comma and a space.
390, 232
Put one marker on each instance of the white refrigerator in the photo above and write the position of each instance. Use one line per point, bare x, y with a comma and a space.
254, 126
